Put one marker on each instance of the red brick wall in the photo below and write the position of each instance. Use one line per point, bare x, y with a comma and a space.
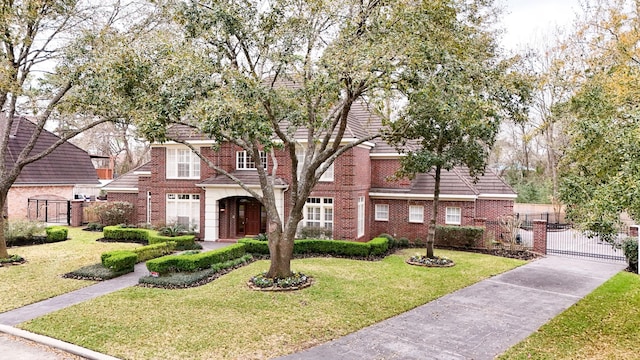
399, 225
493, 209
130, 198
382, 169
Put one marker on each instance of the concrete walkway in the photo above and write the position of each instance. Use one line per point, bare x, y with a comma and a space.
477, 322
13, 344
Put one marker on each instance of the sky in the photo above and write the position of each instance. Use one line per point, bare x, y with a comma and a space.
526, 20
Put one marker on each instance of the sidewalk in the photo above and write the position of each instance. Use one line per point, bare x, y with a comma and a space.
477, 322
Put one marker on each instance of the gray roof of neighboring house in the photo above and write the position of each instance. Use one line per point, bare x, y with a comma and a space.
66, 165
128, 180
456, 182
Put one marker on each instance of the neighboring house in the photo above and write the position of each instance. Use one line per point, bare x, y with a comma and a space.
354, 197
54, 179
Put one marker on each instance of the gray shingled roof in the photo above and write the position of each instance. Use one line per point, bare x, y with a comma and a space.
455, 182
129, 180
66, 165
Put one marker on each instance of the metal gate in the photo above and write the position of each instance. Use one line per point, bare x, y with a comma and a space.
575, 243
50, 211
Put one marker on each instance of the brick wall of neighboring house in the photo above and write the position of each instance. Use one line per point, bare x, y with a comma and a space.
130, 198
382, 169
17, 199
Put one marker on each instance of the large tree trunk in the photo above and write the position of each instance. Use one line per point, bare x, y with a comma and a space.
4, 254
431, 233
281, 249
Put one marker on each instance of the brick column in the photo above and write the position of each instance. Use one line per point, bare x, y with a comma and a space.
76, 212
540, 236
481, 222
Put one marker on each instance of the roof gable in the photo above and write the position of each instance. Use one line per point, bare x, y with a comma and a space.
66, 165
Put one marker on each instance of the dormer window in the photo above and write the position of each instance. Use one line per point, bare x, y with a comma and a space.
182, 164
244, 161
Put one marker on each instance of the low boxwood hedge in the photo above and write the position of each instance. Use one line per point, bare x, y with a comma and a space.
123, 261
375, 247
146, 236
183, 242
193, 262
126, 234
458, 236
56, 233
119, 260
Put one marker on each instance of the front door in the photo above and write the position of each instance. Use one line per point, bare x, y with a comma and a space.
250, 217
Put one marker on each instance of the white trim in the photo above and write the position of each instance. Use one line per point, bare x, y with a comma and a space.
213, 195
192, 142
444, 197
121, 190
233, 186
497, 196
142, 173
386, 155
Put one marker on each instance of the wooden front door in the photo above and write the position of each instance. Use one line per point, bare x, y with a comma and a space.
252, 218
249, 217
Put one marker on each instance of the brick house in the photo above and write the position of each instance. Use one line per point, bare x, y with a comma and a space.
57, 177
354, 197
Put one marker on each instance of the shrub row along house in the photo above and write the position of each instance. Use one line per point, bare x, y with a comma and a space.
355, 198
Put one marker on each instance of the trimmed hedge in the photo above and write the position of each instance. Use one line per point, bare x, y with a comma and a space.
458, 236
379, 246
183, 242
146, 236
56, 233
127, 234
119, 260
123, 261
154, 251
193, 262
375, 247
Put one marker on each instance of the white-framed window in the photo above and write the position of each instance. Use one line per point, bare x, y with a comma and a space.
416, 213
182, 164
327, 176
318, 212
184, 209
454, 216
244, 161
360, 216
382, 212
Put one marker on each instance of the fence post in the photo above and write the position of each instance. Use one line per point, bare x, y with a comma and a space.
76, 212
540, 236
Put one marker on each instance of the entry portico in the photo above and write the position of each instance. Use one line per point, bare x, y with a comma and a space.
231, 211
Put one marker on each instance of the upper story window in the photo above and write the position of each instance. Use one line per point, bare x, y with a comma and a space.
327, 176
244, 161
454, 216
182, 164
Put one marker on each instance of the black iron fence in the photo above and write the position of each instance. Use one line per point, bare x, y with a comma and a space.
49, 211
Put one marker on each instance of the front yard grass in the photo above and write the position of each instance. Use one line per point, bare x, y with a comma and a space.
40, 278
226, 320
603, 325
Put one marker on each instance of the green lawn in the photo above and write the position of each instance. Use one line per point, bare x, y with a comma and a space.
604, 325
40, 278
226, 320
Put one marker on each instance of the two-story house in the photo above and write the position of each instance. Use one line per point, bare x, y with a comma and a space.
354, 199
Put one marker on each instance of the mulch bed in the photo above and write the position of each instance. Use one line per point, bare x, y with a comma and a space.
277, 288
512, 254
